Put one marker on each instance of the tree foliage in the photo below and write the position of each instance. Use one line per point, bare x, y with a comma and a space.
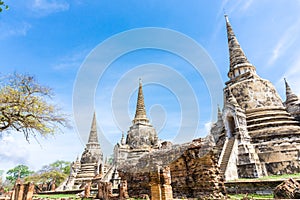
3, 6
25, 106
47, 177
63, 166
21, 171
59, 165
57, 171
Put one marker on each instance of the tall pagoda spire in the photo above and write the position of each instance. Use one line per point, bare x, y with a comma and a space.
239, 63
290, 96
93, 137
140, 113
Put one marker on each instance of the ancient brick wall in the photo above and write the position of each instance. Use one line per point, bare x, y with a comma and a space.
23, 191
194, 174
138, 183
197, 177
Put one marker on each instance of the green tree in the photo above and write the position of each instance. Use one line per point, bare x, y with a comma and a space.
47, 177
57, 171
25, 107
59, 165
21, 171
62, 166
3, 5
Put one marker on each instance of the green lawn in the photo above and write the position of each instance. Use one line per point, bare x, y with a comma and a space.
284, 176
55, 196
254, 196
272, 177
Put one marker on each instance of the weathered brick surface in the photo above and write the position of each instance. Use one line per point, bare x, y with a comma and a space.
194, 173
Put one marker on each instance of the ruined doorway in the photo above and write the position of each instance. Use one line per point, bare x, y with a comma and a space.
231, 126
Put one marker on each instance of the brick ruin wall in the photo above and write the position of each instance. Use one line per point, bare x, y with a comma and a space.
193, 175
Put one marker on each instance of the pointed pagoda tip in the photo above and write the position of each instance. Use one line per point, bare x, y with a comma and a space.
237, 57
94, 119
290, 95
226, 17
93, 137
140, 113
286, 84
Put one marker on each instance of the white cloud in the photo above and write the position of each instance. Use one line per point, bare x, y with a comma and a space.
46, 7
285, 42
234, 6
12, 153
247, 5
14, 29
292, 76
71, 61
207, 127
15, 150
204, 130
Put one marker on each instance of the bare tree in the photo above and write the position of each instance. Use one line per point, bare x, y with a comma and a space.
26, 106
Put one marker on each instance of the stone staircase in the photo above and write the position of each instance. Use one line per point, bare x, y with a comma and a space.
87, 171
108, 175
226, 155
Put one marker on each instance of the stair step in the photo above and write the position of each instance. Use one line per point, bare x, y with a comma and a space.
226, 155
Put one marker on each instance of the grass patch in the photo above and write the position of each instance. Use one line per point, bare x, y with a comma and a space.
284, 176
55, 196
272, 177
253, 196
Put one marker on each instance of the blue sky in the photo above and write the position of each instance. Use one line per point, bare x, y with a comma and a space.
53, 39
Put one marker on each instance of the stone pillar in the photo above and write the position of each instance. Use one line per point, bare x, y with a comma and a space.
155, 184
53, 186
12, 194
123, 193
104, 191
19, 191
100, 194
87, 189
108, 189
166, 188
15, 191
28, 191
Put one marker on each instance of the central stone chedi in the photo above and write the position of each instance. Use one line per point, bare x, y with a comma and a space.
141, 137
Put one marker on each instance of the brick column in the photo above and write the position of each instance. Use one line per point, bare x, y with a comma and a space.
100, 194
28, 191
19, 192
53, 186
155, 184
123, 193
87, 189
166, 188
